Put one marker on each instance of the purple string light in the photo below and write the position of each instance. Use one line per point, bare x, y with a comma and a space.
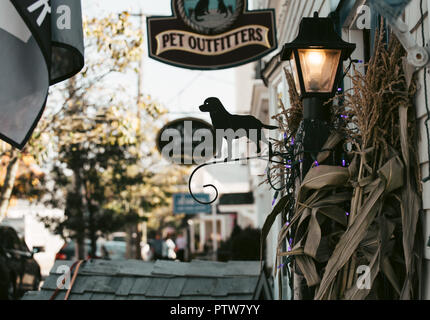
290, 244
343, 163
347, 214
316, 163
292, 141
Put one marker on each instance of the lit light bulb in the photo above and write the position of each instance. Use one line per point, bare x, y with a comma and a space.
316, 58
315, 62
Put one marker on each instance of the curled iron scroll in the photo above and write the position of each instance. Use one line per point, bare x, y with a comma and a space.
263, 158
205, 186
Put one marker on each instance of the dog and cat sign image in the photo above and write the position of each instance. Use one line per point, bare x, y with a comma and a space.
211, 34
210, 13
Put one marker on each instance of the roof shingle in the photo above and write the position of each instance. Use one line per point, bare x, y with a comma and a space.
138, 280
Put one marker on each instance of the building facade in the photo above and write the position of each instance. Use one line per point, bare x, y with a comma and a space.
356, 22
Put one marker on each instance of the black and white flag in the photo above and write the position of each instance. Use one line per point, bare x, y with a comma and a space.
41, 43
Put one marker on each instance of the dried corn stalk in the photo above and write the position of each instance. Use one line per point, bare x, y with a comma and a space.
367, 214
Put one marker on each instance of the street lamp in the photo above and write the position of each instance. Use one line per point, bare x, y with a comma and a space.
316, 57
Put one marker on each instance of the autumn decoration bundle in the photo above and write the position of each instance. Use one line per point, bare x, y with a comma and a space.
361, 218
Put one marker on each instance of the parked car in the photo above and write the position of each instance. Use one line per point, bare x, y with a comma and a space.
118, 236
114, 250
68, 251
19, 272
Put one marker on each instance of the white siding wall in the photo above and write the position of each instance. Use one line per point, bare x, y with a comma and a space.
244, 80
413, 15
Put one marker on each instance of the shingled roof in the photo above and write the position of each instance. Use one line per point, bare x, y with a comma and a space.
138, 280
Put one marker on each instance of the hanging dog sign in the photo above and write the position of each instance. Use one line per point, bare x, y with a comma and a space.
211, 34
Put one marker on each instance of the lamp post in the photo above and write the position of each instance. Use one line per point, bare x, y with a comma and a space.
316, 57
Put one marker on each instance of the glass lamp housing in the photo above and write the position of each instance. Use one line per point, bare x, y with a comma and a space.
319, 69
316, 57
295, 73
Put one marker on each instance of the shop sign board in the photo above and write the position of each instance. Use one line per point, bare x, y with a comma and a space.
211, 34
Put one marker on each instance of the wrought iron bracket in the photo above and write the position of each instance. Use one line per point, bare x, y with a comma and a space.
267, 158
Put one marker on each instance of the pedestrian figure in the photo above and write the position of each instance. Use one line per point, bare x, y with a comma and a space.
169, 248
157, 247
181, 244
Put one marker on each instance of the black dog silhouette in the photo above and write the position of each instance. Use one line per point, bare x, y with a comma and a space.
222, 119
201, 9
222, 8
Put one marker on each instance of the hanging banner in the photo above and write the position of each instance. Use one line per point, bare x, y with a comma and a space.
211, 34
389, 9
41, 44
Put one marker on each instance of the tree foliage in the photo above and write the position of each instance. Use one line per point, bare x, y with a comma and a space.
102, 159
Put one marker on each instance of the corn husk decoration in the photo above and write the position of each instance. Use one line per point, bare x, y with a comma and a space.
355, 230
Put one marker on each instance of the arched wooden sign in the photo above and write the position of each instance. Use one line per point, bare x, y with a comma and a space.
211, 34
